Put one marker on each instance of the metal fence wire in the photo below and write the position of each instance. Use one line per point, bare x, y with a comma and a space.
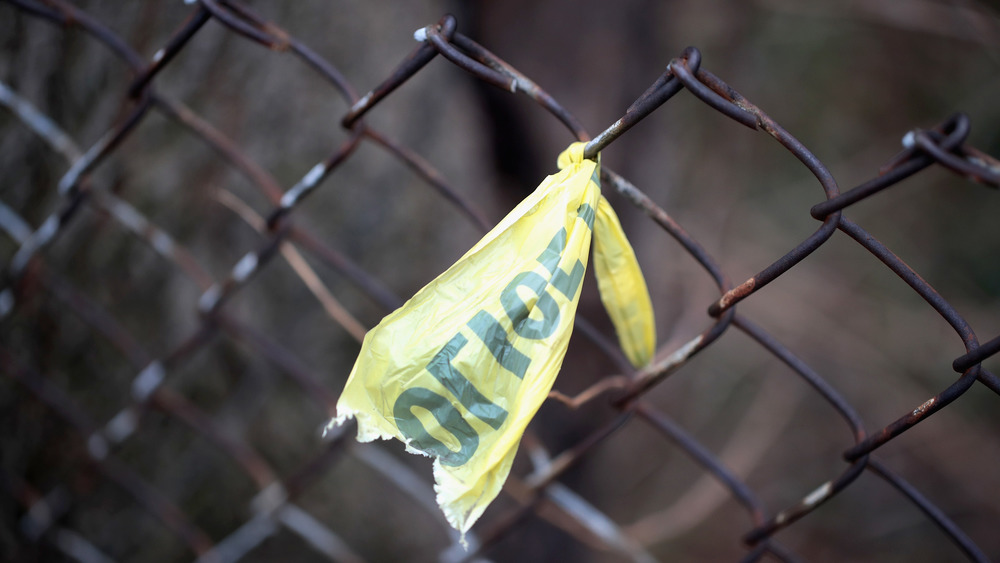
166, 368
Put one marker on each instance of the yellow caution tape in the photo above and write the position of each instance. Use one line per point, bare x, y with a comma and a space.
460, 369
622, 287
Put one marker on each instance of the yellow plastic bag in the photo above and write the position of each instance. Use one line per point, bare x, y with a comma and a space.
460, 369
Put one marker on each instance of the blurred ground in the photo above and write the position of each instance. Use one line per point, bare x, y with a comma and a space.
849, 79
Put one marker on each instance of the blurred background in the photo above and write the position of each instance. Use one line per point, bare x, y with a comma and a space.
848, 79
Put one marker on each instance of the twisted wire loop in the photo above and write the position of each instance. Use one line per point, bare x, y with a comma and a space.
280, 495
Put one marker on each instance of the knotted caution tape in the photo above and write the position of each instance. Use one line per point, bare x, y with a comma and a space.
460, 369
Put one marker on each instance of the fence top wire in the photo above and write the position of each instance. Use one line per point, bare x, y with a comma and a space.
279, 502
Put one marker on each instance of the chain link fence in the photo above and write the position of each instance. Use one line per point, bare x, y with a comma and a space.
183, 297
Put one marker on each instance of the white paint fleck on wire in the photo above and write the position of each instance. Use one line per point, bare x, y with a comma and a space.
83, 164
97, 446
307, 182
270, 499
208, 299
38, 239
289, 197
314, 175
245, 267
362, 102
147, 381
923, 408
819, 494
48, 230
128, 216
122, 425
38, 519
162, 243
678, 357
521, 84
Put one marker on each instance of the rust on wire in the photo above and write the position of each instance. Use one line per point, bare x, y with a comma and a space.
417, 59
523, 84
437, 38
166, 54
656, 95
905, 165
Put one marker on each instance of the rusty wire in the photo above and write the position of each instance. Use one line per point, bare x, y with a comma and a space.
274, 506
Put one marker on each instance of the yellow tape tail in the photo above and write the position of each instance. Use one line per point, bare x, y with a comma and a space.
623, 287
